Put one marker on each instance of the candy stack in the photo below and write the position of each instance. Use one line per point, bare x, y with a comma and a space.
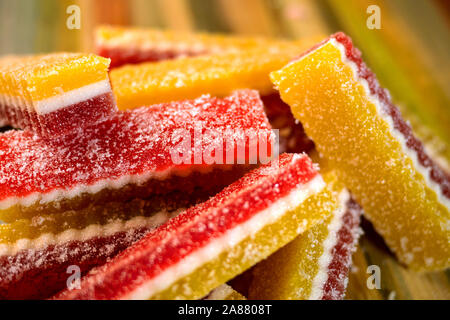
229, 233
182, 190
66, 196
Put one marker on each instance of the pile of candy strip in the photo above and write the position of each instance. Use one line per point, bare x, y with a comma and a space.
243, 224
168, 196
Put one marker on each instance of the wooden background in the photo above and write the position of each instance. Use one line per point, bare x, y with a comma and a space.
410, 55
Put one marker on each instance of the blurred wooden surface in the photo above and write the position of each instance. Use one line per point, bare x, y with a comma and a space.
396, 281
410, 55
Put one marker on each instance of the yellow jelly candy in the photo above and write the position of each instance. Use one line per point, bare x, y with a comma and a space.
151, 83
316, 264
355, 126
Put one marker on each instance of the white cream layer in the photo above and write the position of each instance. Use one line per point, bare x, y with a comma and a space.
229, 240
87, 233
72, 97
59, 101
411, 154
60, 194
328, 244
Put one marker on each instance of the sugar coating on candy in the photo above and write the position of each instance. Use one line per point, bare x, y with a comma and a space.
316, 264
224, 292
137, 45
357, 128
214, 241
186, 78
130, 148
56, 93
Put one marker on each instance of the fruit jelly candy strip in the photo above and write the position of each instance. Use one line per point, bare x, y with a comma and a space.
355, 125
75, 97
186, 78
160, 82
316, 264
211, 243
131, 148
132, 45
207, 182
96, 215
47, 241
40, 273
224, 292
44, 241
40, 85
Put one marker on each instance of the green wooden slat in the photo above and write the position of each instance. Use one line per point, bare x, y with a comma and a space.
208, 17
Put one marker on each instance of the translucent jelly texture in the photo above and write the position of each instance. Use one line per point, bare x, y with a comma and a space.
134, 45
132, 153
316, 264
214, 241
185, 78
55, 94
355, 126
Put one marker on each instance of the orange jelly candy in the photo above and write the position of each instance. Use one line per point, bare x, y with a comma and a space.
136, 45
186, 78
354, 125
